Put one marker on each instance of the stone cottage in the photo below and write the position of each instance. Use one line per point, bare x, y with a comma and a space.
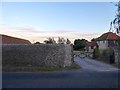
107, 40
90, 46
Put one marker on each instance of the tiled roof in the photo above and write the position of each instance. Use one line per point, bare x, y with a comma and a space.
92, 43
13, 40
108, 36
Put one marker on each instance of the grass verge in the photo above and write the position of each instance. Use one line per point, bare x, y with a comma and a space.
38, 69
29, 69
73, 66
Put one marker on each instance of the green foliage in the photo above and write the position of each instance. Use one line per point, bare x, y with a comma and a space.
115, 23
104, 54
50, 41
79, 44
68, 41
30, 69
37, 43
77, 41
96, 53
107, 55
38, 69
61, 40
73, 66
94, 39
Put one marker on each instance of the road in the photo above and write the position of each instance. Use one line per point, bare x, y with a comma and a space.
92, 75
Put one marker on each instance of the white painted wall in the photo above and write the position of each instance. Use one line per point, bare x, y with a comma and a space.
102, 44
91, 50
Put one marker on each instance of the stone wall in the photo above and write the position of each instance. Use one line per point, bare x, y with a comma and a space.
36, 55
119, 56
116, 55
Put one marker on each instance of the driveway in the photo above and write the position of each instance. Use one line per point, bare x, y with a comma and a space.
90, 64
92, 75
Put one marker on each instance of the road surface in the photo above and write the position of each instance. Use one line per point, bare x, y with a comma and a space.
90, 64
93, 75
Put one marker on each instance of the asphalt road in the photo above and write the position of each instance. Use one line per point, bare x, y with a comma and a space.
80, 78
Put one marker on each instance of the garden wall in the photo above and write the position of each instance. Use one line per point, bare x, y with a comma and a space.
119, 56
116, 55
37, 55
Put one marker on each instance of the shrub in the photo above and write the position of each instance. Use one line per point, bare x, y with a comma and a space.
96, 53
104, 55
107, 55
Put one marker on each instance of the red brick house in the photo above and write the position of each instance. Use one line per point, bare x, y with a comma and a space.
13, 40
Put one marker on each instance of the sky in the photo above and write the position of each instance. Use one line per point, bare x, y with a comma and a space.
37, 21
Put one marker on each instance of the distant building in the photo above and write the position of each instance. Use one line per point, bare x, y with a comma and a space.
108, 39
13, 40
90, 46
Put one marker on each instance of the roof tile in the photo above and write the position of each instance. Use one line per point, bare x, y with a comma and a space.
108, 36
13, 40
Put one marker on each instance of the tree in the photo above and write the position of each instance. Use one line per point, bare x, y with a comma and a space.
77, 41
37, 43
79, 44
68, 41
116, 22
61, 40
50, 41
94, 39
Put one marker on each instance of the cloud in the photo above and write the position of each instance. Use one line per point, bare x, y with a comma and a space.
28, 29
36, 34
71, 35
63, 31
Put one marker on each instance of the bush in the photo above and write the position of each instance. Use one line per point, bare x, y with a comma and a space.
104, 55
96, 53
107, 55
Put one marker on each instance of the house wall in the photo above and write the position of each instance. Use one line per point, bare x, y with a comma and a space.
102, 44
36, 55
91, 50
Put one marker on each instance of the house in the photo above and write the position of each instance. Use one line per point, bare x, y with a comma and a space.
13, 40
90, 46
107, 40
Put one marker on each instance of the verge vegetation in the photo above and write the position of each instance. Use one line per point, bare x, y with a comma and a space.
38, 69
